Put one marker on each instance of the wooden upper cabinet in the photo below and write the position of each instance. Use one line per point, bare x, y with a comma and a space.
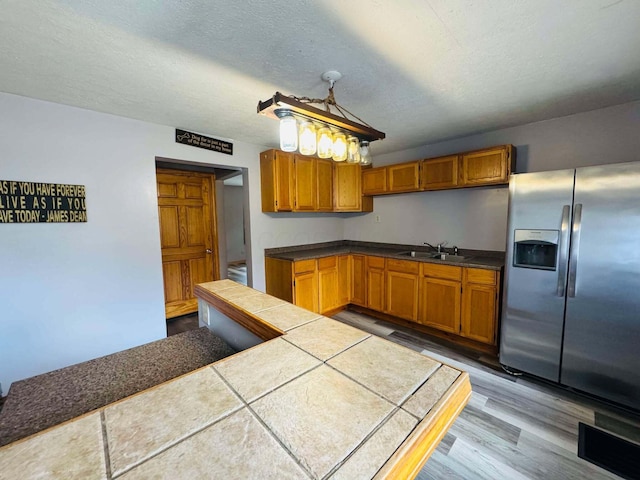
305, 183
347, 189
324, 185
403, 177
374, 181
276, 178
487, 167
440, 173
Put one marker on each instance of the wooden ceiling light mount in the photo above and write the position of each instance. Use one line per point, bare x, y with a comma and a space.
311, 129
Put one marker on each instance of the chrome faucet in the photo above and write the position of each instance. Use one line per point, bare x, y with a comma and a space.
439, 248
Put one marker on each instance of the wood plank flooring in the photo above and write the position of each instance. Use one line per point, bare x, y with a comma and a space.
513, 427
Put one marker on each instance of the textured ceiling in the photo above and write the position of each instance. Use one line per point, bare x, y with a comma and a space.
421, 71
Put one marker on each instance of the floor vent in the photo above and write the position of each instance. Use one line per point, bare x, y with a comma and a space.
608, 451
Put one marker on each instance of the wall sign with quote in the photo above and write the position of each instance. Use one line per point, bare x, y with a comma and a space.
208, 143
32, 202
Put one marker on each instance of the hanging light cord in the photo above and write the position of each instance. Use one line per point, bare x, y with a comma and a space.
331, 100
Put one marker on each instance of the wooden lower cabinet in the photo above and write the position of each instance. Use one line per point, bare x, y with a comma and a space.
359, 280
480, 305
344, 280
402, 283
305, 285
440, 304
321, 285
375, 283
328, 284
440, 296
463, 301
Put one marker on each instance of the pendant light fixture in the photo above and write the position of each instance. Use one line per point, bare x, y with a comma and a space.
311, 130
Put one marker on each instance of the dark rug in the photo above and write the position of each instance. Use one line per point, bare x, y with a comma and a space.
40, 402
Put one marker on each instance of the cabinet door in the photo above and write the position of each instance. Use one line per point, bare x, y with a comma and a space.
324, 190
359, 280
374, 181
479, 313
375, 283
328, 284
344, 280
439, 173
276, 178
305, 291
347, 187
440, 304
404, 177
402, 295
480, 305
485, 167
305, 177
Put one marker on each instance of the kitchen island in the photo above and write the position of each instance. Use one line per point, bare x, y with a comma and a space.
317, 399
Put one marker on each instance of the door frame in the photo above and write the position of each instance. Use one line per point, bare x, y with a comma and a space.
220, 172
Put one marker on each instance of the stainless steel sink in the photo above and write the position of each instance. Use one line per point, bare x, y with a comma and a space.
415, 254
451, 258
438, 256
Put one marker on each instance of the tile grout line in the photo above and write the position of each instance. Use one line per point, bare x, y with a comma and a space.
182, 439
105, 445
264, 425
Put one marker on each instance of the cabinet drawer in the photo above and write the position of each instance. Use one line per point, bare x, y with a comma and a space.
327, 262
402, 266
302, 266
442, 271
478, 275
375, 262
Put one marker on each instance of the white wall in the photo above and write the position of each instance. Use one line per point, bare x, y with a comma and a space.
72, 292
476, 218
233, 223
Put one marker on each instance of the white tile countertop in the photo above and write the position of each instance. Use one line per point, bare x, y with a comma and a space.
322, 400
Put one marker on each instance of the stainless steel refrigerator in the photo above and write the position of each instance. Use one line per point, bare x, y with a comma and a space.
571, 311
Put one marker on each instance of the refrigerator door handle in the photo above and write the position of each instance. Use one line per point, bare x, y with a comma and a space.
575, 249
564, 251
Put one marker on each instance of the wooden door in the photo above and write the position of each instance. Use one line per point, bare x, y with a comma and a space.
439, 173
305, 178
440, 304
359, 280
324, 190
186, 211
404, 177
375, 283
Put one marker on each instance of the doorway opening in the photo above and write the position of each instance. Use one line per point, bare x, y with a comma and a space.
204, 228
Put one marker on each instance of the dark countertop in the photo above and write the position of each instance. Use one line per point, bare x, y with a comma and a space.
490, 260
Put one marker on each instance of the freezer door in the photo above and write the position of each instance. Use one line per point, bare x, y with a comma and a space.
534, 298
602, 329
